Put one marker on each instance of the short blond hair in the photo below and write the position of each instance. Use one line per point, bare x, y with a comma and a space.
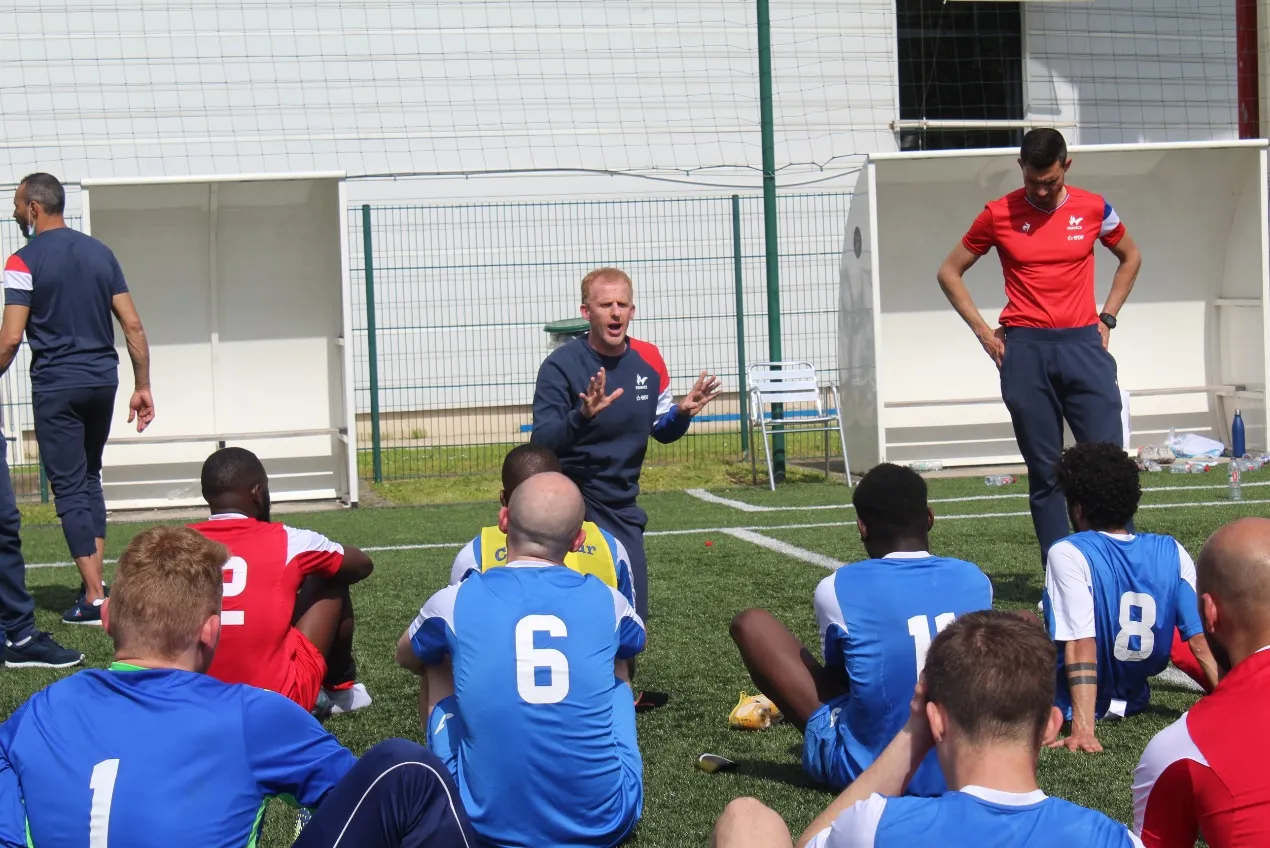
169, 582
605, 274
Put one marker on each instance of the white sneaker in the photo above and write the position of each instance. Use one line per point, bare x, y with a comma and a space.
347, 700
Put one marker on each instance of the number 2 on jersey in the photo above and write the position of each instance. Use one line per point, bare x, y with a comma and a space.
919, 629
1140, 628
529, 659
102, 783
236, 571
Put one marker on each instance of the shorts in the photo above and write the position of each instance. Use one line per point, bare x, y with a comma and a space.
305, 672
824, 754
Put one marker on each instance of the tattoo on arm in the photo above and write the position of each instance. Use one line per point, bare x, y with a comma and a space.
1083, 680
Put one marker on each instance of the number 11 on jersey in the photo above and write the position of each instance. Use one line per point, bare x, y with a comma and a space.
919, 629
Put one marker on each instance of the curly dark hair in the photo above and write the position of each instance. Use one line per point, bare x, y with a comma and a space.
891, 501
1103, 480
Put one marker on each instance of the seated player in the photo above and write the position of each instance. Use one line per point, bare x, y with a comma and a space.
1112, 598
600, 554
288, 617
1206, 773
876, 620
152, 752
522, 686
986, 706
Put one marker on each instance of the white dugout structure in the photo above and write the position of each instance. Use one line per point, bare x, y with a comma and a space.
242, 283
1191, 343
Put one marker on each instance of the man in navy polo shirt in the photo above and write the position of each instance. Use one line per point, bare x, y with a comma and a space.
60, 289
600, 436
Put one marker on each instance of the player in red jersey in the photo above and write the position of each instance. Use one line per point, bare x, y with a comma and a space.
287, 620
1206, 773
1051, 347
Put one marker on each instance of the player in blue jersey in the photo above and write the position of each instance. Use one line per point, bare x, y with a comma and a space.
1112, 598
986, 707
153, 752
876, 619
523, 683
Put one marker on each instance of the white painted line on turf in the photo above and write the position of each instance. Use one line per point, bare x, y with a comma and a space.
785, 548
691, 531
1179, 678
742, 506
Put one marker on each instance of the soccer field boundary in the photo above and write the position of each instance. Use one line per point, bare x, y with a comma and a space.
757, 529
785, 548
741, 506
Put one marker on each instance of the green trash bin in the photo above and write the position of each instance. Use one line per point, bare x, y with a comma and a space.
561, 332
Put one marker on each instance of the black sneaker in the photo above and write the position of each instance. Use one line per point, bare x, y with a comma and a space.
40, 651
83, 613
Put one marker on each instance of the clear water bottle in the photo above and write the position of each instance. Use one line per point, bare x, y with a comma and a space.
1237, 436
1179, 468
1236, 492
926, 465
999, 480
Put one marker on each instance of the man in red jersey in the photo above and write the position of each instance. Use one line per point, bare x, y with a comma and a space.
1051, 347
287, 620
1206, 773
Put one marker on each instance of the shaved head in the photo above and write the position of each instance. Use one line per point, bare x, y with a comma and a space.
544, 518
1232, 579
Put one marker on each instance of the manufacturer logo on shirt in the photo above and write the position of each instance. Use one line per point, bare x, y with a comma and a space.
441, 724
1027, 228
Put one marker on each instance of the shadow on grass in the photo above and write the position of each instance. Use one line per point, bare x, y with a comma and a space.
789, 774
56, 599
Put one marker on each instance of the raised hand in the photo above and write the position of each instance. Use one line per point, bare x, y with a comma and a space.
594, 400
703, 391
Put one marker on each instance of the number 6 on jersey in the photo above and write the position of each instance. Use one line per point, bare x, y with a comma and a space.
530, 659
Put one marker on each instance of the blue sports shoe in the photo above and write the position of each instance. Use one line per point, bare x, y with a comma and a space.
40, 651
83, 613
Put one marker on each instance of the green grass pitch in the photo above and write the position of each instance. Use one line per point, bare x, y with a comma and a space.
695, 590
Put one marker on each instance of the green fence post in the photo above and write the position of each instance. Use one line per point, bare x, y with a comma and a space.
372, 351
740, 324
770, 247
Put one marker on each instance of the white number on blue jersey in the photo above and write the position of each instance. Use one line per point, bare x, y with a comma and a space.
1130, 628
529, 659
103, 785
919, 629
236, 569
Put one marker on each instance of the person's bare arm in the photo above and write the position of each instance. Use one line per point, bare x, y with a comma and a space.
11, 330
1204, 656
356, 566
141, 405
1081, 664
406, 656
1126, 250
891, 771
951, 280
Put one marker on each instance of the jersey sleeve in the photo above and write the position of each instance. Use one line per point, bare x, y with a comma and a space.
857, 827
981, 237
621, 566
557, 424
1112, 230
430, 631
12, 811
631, 635
313, 553
289, 752
1188, 620
1069, 599
1165, 788
831, 623
17, 282
465, 562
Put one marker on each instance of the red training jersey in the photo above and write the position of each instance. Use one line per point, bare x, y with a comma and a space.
1206, 773
268, 563
1047, 257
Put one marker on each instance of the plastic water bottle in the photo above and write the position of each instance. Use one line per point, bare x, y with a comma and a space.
926, 465
1236, 494
998, 480
1237, 435
1179, 468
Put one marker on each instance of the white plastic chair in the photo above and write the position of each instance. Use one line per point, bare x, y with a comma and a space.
795, 386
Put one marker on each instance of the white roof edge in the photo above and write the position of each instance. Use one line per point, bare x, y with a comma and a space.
1258, 143
90, 182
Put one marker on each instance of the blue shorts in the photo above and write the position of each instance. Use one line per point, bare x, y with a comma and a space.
824, 755
445, 729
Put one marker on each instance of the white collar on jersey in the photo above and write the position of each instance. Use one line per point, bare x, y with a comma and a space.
1005, 799
1119, 537
1049, 211
225, 516
530, 563
908, 555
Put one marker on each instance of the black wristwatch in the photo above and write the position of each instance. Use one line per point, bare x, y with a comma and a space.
1108, 319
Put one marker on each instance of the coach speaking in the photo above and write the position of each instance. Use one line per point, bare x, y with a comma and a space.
596, 402
1051, 347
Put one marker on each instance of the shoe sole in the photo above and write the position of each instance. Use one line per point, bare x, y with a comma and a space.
38, 664
96, 623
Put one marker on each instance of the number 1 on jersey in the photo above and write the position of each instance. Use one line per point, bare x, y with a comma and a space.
102, 783
919, 629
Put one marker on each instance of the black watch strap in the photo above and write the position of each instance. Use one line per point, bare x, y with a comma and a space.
1108, 319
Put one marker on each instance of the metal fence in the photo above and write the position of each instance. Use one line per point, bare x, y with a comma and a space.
445, 361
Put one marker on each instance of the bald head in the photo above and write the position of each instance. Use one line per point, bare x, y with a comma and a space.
544, 518
1234, 567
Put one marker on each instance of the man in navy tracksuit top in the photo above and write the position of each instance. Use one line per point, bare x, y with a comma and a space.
60, 289
601, 438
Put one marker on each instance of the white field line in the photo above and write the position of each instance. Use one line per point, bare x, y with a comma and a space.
742, 506
785, 548
692, 531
